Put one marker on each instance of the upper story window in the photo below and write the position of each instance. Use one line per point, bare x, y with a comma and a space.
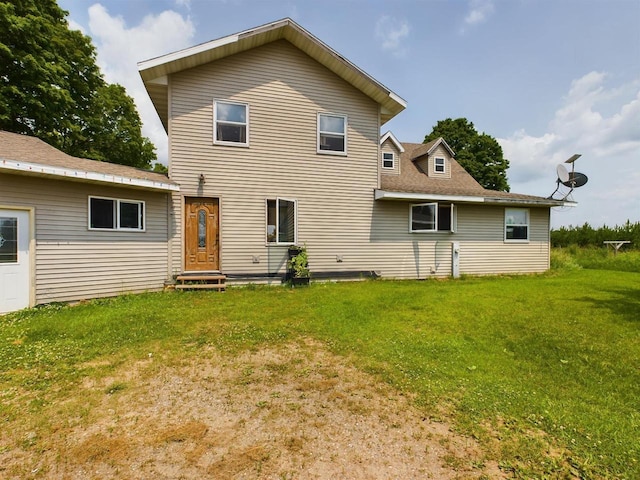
332, 133
115, 214
388, 160
439, 165
516, 224
230, 123
432, 217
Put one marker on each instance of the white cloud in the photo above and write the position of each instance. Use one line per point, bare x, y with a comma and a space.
73, 25
609, 144
391, 32
479, 12
120, 47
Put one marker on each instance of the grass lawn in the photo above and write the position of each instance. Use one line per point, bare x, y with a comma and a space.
544, 371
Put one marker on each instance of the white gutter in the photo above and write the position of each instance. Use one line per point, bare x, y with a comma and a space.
527, 201
384, 195
73, 174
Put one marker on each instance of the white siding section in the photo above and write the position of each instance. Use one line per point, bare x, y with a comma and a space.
73, 262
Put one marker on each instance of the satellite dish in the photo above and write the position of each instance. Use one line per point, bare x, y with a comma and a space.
563, 174
575, 180
570, 179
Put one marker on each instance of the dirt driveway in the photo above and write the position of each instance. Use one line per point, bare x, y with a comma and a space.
295, 412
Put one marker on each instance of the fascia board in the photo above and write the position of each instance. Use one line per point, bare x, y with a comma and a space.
86, 176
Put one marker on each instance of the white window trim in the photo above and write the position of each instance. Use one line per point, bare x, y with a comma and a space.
215, 122
266, 224
454, 219
318, 132
453, 224
435, 165
435, 218
117, 227
393, 160
528, 225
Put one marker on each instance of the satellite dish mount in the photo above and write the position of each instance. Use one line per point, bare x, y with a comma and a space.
568, 179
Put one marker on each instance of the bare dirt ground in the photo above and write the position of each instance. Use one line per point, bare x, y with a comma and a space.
293, 412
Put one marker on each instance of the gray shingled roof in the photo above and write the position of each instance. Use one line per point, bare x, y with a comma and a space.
15, 147
461, 183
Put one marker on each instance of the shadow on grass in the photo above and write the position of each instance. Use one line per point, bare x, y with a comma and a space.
621, 301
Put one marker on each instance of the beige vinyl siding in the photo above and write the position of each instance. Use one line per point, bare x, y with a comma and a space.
480, 233
389, 147
285, 90
337, 217
73, 262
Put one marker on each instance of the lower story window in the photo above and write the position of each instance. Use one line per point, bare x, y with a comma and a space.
115, 214
516, 224
281, 221
432, 217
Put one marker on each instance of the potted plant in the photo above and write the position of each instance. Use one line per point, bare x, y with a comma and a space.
298, 266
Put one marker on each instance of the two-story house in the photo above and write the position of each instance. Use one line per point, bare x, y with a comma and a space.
274, 141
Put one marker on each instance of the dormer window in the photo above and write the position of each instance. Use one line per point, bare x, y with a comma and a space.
388, 160
439, 165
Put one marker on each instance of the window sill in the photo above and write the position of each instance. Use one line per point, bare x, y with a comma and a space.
119, 230
332, 153
231, 144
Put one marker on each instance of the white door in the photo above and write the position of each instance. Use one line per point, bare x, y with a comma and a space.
15, 261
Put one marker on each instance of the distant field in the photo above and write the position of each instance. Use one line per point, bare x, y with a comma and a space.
543, 371
601, 258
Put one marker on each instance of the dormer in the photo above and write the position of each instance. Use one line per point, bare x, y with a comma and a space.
434, 159
390, 150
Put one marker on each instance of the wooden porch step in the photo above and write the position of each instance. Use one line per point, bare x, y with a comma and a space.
213, 276
212, 281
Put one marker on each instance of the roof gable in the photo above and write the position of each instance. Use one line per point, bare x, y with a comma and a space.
429, 148
391, 137
155, 72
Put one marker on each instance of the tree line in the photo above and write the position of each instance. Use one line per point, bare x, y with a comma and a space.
52, 88
587, 236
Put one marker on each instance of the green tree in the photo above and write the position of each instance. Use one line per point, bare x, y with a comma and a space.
52, 88
478, 153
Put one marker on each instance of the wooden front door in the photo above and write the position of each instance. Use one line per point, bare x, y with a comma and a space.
201, 234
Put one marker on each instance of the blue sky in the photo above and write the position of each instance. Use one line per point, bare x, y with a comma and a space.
547, 78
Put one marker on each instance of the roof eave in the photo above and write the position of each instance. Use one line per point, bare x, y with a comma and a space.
390, 136
380, 194
36, 169
537, 202
150, 70
421, 196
